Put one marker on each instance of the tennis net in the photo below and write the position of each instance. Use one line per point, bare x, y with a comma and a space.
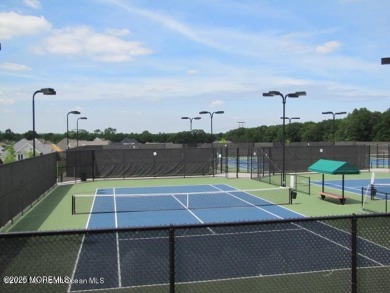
86, 204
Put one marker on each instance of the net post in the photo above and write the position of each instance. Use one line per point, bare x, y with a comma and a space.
73, 205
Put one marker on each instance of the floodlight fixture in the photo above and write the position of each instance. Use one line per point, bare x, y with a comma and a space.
211, 118
45, 91
385, 61
290, 118
48, 91
189, 118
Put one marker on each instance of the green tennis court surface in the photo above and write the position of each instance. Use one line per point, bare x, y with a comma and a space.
54, 212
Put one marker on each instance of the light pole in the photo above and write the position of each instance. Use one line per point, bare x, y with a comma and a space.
67, 126
284, 98
334, 122
193, 118
45, 91
77, 128
211, 118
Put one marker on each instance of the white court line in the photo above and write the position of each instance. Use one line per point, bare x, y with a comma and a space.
90, 212
291, 211
117, 243
318, 235
328, 272
336, 243
82, 243
247, 202
208, 235
192, 213
338, 187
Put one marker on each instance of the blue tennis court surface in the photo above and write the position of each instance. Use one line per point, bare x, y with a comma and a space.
355, 185
137, 258
166, 205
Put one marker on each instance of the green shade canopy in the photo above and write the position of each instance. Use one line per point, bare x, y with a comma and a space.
333, 167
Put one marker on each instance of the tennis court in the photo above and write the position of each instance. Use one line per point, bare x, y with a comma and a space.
206, 252
355, 185
178, 205
373, 194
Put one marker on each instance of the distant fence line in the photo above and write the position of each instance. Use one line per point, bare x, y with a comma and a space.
23, 182
228, 159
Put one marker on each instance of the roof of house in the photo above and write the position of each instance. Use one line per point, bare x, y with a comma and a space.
129, 141
25, 145
73, 143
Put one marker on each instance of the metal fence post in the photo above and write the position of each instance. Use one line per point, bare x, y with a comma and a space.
354, 253
171, 260
237, 161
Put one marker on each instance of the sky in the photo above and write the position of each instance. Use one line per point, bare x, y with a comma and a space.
141, 65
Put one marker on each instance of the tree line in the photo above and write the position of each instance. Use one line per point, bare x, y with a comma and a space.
360, 125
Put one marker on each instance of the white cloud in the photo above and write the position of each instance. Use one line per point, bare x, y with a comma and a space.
13, 24
14, 67
328, 47
118, 32
164, 20
6, 101
192, 72
217, 103
266, 44
84, 41
33, 3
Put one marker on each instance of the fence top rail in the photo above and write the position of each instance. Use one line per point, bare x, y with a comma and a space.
192, 226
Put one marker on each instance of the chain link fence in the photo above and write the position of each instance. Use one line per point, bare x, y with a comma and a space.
327, 254
124, 163
22, 183
233, 160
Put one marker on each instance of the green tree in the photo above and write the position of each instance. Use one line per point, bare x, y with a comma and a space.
311, 132
29, 135
109, 133
293, 132
10, 155
382, 128
357, 126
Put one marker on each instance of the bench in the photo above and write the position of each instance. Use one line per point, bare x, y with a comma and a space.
335, 196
